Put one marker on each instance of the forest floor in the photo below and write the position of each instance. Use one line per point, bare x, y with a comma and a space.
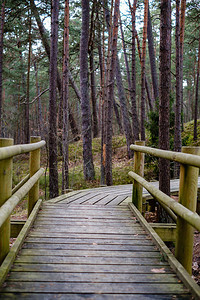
121, 166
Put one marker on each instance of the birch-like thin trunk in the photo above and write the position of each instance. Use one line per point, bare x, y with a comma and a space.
1, 56
197, 94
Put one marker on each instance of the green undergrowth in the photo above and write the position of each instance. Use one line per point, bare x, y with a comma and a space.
187, 134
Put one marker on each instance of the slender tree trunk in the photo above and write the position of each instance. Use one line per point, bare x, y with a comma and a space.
143, 71
152, 59
182, 31
125, 57
150, 101
40, 121
177, 131
110, 94
197, 94
65, 162
92, 73
1, 57
85, 104
45, 41
165, 84
117, 115
27, 121
53, 171
135, 121
125, 117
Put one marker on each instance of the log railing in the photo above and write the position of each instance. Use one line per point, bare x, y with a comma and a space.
9, 197
184, 211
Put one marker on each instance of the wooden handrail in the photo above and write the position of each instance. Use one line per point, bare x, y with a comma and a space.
183, 158
187, 218
11, 151
10, 198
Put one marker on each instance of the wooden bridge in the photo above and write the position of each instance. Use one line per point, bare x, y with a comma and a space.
93, 244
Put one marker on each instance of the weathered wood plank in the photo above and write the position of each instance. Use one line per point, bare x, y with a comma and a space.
85, 253
90, 241
89, 277
113, 288
90, 247
145, 261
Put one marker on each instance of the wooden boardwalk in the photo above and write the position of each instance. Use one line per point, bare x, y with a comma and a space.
86, 245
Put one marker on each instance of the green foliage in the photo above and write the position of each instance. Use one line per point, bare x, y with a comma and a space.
188, 133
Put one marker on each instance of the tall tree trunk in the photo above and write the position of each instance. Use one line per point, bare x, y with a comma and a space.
197, 94
27, 121
1, 56
110, 94
53, 171
142, 125
125, 57
125, 116
165, 84
152, 59
45, 41
150, 101
177, 131
117, 115
135, 120
92, 73
40, 121
85, 103
65, 162
182, 31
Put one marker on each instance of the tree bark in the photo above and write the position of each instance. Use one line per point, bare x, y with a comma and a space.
53, 171
88, 166
152, 59
40, 121
182, 31
165, 84
110, 94
65, 82
125, 117
26, 116
1, 57
135, 121
95, 128
142, 120
197, 94
177, 131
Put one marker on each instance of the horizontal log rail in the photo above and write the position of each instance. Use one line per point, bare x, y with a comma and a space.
9, 197
11, 151
183, 158
187, 219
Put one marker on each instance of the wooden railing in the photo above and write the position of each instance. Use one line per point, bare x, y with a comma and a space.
9, 197
184, 211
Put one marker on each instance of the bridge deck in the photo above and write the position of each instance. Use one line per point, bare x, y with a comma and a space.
98, 251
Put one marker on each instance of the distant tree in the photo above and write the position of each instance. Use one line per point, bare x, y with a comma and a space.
53, 171
88, 166
164, 103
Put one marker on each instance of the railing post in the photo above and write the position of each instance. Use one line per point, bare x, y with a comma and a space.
34, 165
5, 193
187, 197
139, 169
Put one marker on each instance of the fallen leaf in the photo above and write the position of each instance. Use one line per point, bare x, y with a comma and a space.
162, 270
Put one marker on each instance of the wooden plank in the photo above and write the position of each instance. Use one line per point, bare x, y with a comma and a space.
85, 253
92, 222
16, 227
84, 268
145, 261
90, 277
117, 200
90, 247
52, 240
112, 288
